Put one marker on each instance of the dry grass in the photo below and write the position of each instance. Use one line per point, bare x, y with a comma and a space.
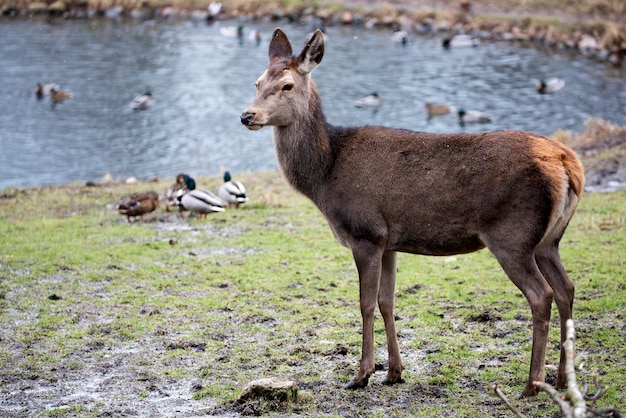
597, 133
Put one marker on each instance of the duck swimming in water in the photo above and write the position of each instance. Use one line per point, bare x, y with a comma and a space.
42, 91
142, 102
371, 101
59, 96
472, 116
549, 86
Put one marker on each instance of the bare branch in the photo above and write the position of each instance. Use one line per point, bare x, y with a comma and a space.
501, 395
599, 391
573, 392
572, 402
558, 399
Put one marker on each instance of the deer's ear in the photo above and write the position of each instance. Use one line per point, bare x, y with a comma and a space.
312, 54
279, 46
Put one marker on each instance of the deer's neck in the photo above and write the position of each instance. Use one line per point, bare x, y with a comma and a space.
306, 149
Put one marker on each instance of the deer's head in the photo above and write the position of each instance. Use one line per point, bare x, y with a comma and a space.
283, 91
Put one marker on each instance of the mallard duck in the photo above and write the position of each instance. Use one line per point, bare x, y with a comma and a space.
551, 85
232, 31
214, 9
255, 36
183, 182
58, 96
459, 41
186, 180
371, 101
138, 204
472, 116
232, 192
142, 102
400, 36
171, 195
200, 201
42, 91
438, 109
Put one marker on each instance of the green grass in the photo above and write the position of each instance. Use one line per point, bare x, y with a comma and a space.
266, 291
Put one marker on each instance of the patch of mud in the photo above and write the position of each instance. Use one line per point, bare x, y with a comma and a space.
111, 383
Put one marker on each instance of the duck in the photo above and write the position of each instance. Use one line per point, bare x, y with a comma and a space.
371, 101
42, 91
142, 102
400, 36
170, 196
186, 180
434, 109
459, 41
255, 36
551, 85
214, 9
232, 192
472, 116
138, 204
200, 201
183, 182
58, 96
232, 31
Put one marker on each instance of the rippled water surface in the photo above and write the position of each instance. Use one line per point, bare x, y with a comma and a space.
202, 81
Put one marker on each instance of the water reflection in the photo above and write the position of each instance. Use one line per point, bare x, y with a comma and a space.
201, 80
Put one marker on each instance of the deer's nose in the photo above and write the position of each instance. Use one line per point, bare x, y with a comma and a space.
246, 118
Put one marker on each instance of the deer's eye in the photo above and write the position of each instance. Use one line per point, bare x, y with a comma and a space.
287, 87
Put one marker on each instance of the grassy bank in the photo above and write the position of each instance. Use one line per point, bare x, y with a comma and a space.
172, 317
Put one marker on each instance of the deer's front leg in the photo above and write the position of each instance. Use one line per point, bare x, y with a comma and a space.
386, 302
368, 259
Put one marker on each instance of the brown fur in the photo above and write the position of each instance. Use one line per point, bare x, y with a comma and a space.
385, 190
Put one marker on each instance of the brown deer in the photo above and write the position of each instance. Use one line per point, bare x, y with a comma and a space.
384, 190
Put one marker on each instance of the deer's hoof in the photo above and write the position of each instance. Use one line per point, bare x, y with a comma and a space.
390, 382
529, 391
355, 384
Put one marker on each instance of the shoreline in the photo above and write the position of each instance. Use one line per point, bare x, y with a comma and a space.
602, 40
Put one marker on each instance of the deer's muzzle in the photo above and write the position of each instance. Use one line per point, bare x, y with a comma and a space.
247, 118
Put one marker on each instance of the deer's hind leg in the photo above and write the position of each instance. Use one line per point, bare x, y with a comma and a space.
549, 263
521, 267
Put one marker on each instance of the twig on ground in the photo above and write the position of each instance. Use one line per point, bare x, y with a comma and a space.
501, 395
572, 402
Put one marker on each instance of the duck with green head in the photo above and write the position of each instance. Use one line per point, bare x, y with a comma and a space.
199, 201
232, 192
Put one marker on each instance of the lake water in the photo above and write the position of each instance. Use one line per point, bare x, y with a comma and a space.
202, 80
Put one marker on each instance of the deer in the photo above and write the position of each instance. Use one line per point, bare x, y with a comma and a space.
384, 190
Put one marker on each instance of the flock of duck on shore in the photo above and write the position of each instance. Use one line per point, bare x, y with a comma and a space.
185, 196
607, 44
